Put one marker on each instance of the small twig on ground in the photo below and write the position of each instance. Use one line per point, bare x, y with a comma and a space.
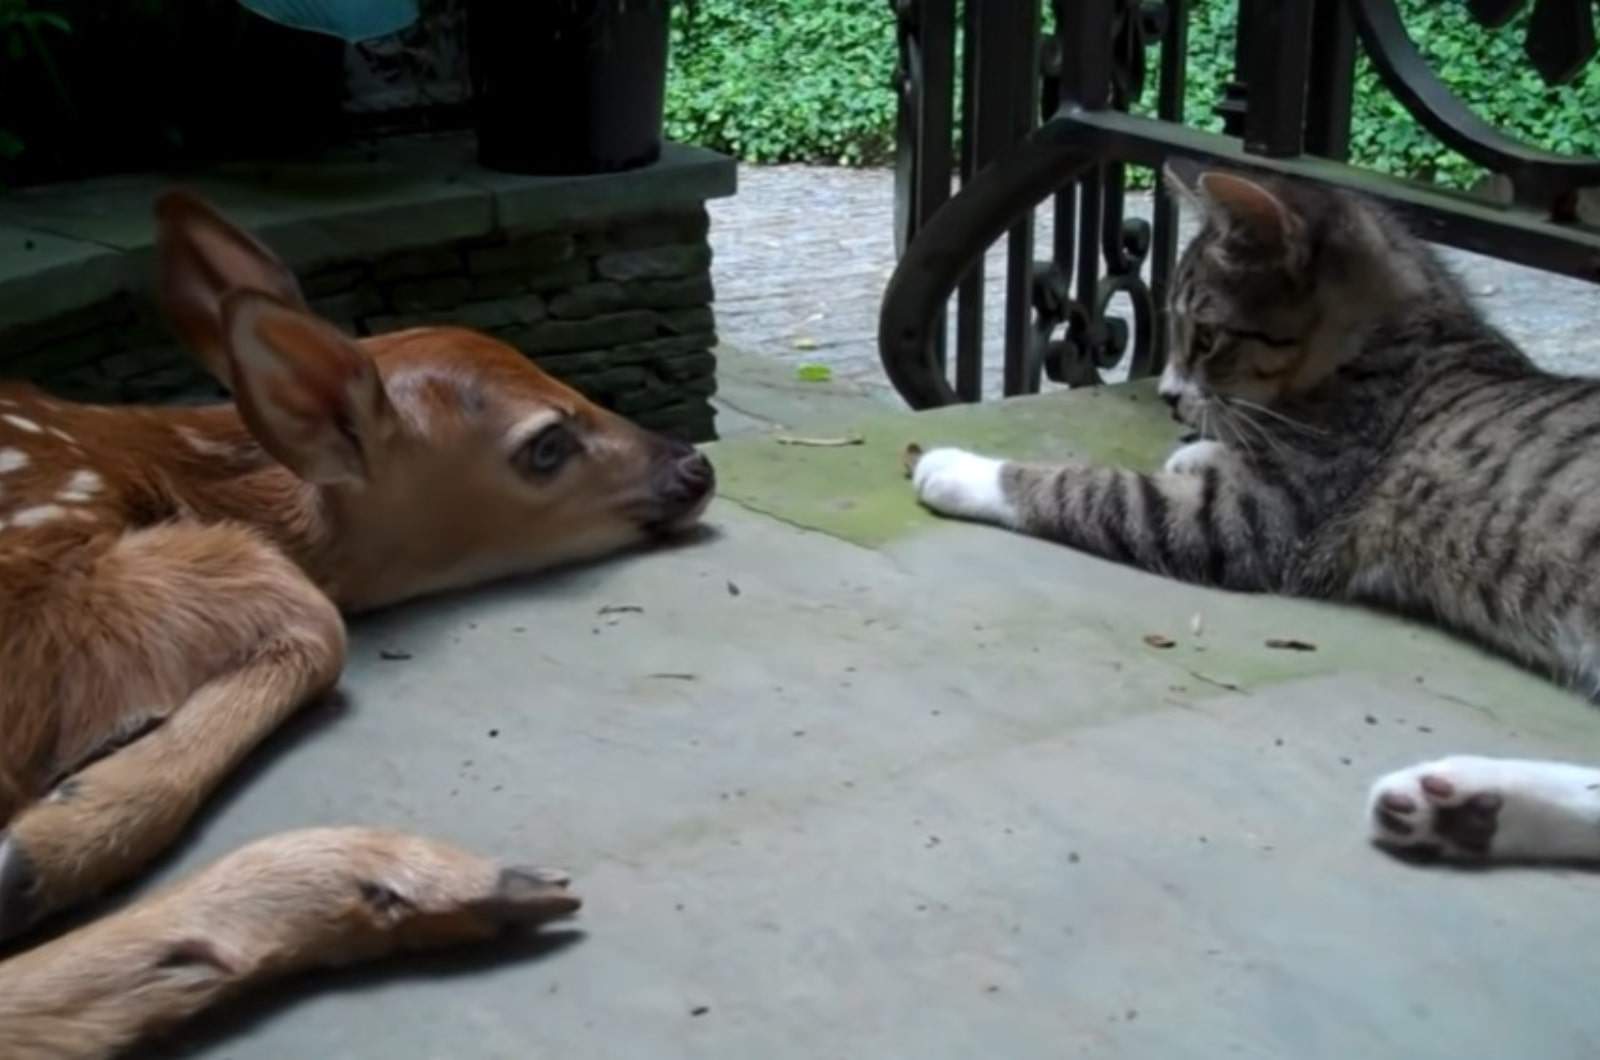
820, 443
1227, 685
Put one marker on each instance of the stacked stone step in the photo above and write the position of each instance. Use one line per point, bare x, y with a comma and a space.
621, 310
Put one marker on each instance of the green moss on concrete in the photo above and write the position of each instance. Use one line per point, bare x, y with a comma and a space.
1102, 610
860, 492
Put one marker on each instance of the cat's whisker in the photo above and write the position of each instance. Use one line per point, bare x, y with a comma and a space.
1274, 413
1268, 440
1247, 435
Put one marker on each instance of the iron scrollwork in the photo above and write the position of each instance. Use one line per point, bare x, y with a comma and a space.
1286, 110
1093, 211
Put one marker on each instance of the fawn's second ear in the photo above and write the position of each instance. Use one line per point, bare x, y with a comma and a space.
309, 394
202, 256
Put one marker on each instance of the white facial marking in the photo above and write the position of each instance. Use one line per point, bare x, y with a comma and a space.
80, 487
529, 426
12, 459
21, 423
1195, 457
38, 515
962, 484
1175, 383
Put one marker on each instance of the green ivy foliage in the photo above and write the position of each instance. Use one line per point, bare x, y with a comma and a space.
784, 80
810, 81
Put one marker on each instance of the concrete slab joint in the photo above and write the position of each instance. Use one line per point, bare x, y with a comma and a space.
604, 280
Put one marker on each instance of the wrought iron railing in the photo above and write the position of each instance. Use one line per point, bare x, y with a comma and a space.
1286, 110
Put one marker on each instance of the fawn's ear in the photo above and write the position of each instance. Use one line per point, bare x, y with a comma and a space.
201, 258
308, 393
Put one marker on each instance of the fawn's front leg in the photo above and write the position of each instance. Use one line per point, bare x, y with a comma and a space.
1204, 518
280, 905
236, 636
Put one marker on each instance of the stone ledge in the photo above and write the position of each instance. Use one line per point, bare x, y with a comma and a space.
68, 246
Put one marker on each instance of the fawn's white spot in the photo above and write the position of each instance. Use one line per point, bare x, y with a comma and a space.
12, 460
966, 485
80, 487
203, 445
21, 423
63, 435
38, 515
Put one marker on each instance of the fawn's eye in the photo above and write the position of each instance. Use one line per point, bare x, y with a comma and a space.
545, 452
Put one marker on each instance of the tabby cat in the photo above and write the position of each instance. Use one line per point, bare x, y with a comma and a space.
1362, 434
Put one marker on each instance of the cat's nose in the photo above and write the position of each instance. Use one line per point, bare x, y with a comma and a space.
1171, 397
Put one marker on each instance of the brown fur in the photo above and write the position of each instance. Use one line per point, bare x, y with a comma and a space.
171, 586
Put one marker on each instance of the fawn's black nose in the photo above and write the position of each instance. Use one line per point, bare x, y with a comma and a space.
696, 473
684, 482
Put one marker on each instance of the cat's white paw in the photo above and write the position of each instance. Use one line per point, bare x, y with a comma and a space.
1467, 808
962, 484
1195, 457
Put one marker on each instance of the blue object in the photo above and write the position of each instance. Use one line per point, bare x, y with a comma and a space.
353, 20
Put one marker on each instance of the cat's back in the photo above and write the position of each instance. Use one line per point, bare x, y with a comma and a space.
1486, 508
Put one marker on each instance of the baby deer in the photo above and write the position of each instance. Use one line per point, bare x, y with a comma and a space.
171, 588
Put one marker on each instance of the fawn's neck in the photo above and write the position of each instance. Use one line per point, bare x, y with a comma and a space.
208, 466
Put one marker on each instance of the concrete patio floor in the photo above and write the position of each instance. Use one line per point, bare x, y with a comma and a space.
842, 780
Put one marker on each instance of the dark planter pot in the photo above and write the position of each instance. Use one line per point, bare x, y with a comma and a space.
568, 86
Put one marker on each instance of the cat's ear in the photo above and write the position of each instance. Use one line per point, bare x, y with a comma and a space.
1182, 178
1245, 208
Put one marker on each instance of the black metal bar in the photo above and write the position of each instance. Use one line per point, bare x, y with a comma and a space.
1330, 85
927, 89
924, 153
1164, 213
1017, 376
1236, 91
934, 262
976, 102
1085, 28
1275, 117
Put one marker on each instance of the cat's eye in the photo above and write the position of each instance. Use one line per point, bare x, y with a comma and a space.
1202, 338
545, 453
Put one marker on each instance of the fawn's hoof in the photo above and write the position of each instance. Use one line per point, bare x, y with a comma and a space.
528, 897
18, 905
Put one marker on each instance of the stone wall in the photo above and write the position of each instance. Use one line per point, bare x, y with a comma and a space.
618, 308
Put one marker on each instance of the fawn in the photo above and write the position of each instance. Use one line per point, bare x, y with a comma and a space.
171, 588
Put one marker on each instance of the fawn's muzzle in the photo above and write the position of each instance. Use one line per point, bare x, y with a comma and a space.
684, 481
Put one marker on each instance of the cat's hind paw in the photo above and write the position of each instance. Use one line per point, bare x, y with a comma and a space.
1449, 808
1467, 808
